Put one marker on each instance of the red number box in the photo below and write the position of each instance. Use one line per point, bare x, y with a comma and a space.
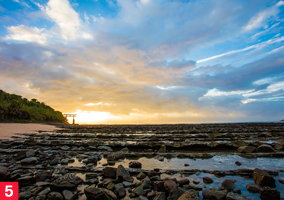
9, 190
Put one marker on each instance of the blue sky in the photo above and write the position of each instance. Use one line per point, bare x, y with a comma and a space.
146, 61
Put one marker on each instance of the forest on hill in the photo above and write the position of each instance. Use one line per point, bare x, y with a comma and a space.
15, 108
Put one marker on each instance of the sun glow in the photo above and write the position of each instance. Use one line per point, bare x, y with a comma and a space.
93, 117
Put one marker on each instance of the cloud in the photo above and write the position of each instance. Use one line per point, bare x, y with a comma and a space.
261, 18
23, 33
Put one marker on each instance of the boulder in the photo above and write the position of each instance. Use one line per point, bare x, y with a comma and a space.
110, 194
268, 193
93, 193
4, 174
29, 161
67, 182
190, 195
214, 194
235, 196
54, 196
135, 164
121, 172
262, 178
264, 148
246, 149
183, 181
109, 172
146, 183
207, 180
254, 188
120, 192
228, 184
175, 194
170, 185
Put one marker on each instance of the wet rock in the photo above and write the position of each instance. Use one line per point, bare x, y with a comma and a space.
54, 162
128, 178
64, 161
160, 196
44, 192
142, 198
67, 182
36, 190
127, 184
25, 195
163, 149
146, 183
235, 196
190, 195
159, 186
120, 192
246, 149
68, 195
139, 191
116, 156
196, 181
254, 188
265, 148
207, 180
105, 148
29, 161
91, 159
54, 196
4, 174
121, 172
175, 194
191, 186
151, 194
228, 184
183, 181
110, 194
25, 180
237, 191
281, 180
268, 193
21, 155
170, 185
141, 175
135, 164
238, 163
214, 194
94, 193
262, 178
30, 153
109, 172
65, 148
91, 175
159, 158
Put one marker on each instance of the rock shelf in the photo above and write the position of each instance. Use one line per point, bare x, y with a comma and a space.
131, 162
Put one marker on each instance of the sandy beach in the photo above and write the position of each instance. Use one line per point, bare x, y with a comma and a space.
9, 129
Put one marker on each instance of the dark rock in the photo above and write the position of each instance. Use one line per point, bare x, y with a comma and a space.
20, 155
135, 164
237, 191
25, 195
109, 172
42, 176
238, 163
120, 192
127, 184
175, 194
254, 188
36, 190
68, 195
170, 185
196, 181
190, 195
160, 196
4, 174
30, 153
44, 192
25, 180
110, 194
235, 196
54, 196
91, 175
281, 180
93, 193
214, 194
163, 149
116, 156
159, 186
228, 184
146, 183
128, 178
29, 161
54, 162
111, 186
141, 175
246, 149
183, 181
268, 193
139, 191
67, 182
265, 148
151, 194
121, 172
191, 186
207, 180
262, 178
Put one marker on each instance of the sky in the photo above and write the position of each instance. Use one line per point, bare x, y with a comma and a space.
147, 61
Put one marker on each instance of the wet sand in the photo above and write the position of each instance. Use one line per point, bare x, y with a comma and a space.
7, 130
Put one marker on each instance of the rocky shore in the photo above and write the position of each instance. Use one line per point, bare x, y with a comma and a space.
210, 161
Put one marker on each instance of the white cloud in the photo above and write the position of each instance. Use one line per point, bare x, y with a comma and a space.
23, 33
259, 20
61, 12
16, 1
255, 46
145, 1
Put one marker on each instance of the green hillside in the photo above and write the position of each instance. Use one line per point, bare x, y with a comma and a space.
14, 107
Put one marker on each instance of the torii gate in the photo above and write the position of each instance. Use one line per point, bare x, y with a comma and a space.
71, 115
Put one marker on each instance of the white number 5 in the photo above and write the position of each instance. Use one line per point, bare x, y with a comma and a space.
8, 190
